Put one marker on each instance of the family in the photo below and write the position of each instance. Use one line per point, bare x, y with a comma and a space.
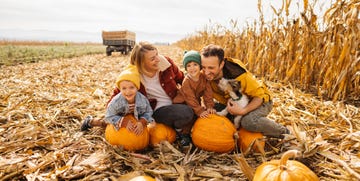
154, 89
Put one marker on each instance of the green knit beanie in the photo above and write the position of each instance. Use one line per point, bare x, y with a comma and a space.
191, 56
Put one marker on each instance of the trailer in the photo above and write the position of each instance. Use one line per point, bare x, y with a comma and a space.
118, 41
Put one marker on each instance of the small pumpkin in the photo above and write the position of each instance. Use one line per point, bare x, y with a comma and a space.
246, 138
214, 133
161, 132
284, 170
142, 178
123, 137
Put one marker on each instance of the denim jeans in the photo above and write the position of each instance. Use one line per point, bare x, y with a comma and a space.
177, 116
256, 120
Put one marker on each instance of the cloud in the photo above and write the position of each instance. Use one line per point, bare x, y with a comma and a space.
175, 17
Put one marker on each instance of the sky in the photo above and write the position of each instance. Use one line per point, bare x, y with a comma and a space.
152, 20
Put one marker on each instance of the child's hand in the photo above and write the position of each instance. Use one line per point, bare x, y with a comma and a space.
130, 126
152, 124
138, 128
204, 114
211, 111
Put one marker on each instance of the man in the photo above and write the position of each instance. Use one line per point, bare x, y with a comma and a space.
215, 67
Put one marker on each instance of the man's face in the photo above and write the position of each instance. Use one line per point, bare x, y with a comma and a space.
211, 67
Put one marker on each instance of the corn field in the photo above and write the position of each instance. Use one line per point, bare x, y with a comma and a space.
321, 56
43, 104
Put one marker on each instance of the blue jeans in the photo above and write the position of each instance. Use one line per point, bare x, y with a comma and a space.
177, 116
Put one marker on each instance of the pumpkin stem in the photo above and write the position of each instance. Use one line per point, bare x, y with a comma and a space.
236, 136
285, 157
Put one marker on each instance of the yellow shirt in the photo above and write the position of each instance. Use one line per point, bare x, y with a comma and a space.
249, 84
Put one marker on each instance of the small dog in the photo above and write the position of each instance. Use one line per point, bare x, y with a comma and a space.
233, 88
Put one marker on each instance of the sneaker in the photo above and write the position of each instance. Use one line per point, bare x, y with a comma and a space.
85, 126
185, 139
287, 131
284, 133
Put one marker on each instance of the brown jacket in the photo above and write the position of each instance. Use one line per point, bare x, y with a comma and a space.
191, 92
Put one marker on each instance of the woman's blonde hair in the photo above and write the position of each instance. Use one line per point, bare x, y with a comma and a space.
137, 54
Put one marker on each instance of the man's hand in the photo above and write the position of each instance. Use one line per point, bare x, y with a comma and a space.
235, 109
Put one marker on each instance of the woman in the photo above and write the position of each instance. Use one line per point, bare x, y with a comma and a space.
159, 79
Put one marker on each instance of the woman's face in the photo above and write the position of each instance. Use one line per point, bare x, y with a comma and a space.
151, 61
128, 90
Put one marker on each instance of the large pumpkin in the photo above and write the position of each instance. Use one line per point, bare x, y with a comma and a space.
123, 137
214, 133
284, 170
161, 132
142, 178
246, 138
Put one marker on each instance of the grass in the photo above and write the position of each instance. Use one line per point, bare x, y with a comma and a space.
12, 53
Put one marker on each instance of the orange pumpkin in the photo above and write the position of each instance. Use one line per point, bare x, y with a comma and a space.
161, 132
214, 133
142, 178
246, 138
284, 170
123, 137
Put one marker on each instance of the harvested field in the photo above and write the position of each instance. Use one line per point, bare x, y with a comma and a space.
42, 105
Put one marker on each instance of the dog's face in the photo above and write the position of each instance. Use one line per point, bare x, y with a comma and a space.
231, 85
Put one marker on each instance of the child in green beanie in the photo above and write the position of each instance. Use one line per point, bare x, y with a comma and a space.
195, 86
